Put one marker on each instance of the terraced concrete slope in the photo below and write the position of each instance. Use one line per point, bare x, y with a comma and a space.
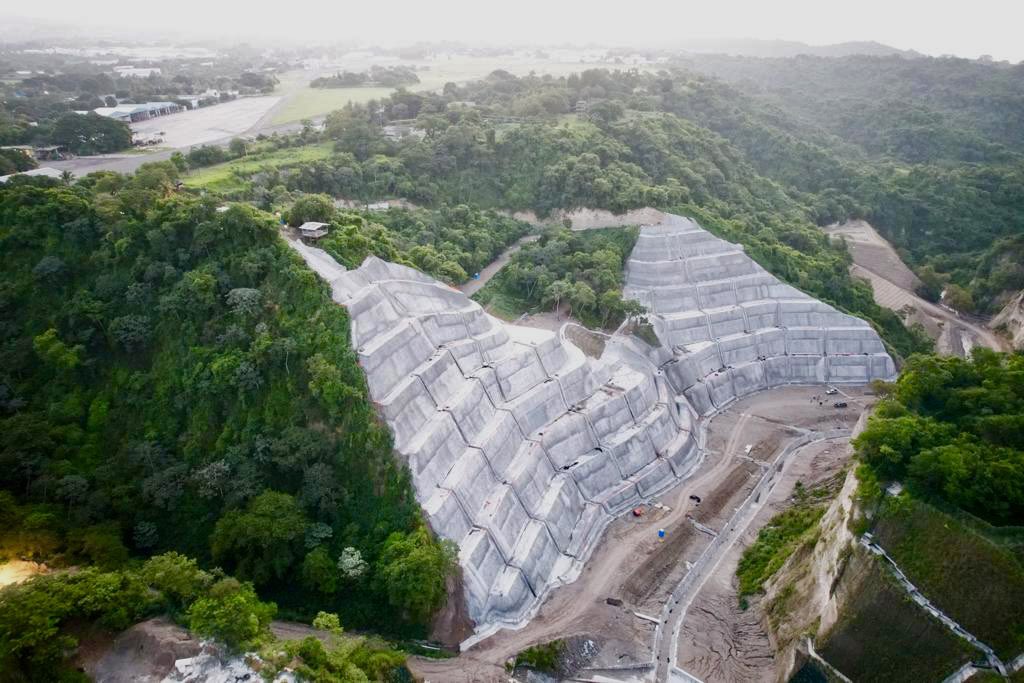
521, 448
733, 328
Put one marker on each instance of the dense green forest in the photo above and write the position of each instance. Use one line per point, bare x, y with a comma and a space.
944, 184
580, 273
614, 158
931, 151
953, 431
173, 378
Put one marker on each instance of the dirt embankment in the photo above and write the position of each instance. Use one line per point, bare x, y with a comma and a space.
1011, 320
593, 219
801, 597
452, 624
894, 286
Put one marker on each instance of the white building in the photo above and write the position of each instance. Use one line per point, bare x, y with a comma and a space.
131, 113
136, 71
312, 230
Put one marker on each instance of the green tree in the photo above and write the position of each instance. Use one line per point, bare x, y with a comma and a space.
413, 569
319, 572
51, 349
238, 147
311, 207
958, 298
91, 133
232, 613
178, 578
263, 541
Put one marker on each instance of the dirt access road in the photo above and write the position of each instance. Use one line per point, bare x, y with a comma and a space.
719, 641
893, 283
632, 564
471, 287
804, 416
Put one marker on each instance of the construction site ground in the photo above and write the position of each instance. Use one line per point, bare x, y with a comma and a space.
894, 284
634, 565
719, 640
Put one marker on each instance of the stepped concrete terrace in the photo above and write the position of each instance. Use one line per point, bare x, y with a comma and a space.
732, 328
521, 448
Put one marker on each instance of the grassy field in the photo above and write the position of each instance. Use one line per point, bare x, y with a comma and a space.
302, 102
225, 177
975, 581
881, 635
502, 304
308, 102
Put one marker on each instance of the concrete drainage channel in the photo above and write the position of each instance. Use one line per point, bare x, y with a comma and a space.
867, 541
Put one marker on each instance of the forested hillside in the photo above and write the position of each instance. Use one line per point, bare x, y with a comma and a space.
172, 378
930, 150
943, 183
953, 430
625, 153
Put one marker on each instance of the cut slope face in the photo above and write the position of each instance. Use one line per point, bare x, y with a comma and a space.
733, 328
521, 449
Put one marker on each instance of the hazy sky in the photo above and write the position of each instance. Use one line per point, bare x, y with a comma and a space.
967, 29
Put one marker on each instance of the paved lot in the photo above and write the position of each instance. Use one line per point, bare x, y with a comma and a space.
208, 124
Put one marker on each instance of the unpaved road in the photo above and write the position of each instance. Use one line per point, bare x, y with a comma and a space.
630, 553
875, 260
710, 564
471, 287
893, 296
718, 640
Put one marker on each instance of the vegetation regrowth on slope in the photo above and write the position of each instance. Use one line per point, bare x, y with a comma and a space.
953, 430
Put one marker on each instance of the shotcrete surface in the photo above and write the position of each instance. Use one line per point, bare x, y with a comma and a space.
523, 449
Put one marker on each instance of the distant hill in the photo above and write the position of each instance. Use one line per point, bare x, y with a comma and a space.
752, 47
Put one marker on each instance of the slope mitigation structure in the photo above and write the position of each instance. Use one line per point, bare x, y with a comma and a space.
732, 328
521, 448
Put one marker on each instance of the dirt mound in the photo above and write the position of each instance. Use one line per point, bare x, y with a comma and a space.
144, 653
591, 219
1011, 318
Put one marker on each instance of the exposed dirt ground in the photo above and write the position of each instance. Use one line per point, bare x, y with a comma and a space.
719, 641
145, 653
452, 624
894, 283
593, 219
872, 251
630, 562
